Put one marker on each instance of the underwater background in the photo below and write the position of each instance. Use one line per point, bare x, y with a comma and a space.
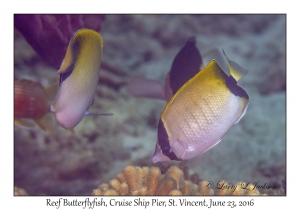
254, 150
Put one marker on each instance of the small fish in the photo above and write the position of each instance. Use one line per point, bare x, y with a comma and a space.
187, 63
32, 101
79, 76
200, 113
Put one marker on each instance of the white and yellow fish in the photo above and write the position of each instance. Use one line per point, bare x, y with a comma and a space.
79, 76
200, 113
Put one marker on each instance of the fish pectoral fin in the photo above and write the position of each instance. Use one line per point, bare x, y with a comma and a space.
95, 114
236, 71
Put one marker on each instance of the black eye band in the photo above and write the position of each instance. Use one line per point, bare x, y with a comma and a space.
164, 143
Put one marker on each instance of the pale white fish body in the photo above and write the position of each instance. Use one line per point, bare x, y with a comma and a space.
201, 135
76, 93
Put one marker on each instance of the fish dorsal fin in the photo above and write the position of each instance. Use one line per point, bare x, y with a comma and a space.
186, 64
236, 71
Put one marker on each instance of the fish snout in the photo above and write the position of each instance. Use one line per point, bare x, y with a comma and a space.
158, 156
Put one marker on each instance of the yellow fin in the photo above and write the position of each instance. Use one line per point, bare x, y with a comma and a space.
236, 71
47, 123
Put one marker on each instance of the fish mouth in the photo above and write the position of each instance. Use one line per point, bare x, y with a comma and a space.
159, 158
52, 109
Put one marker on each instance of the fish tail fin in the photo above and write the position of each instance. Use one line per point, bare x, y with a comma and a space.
146, 88
51, 91
215, 54
47, 123
236, 71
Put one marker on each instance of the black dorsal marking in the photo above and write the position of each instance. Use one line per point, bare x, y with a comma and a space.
64, 76
75, 49
186, 65
232, 85
164, 143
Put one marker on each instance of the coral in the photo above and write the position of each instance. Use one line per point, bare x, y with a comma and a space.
150, 181
19, 191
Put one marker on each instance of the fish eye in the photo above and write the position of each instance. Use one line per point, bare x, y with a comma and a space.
166, 150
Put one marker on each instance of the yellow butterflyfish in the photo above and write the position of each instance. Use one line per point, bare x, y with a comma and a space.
79, 76
200, 113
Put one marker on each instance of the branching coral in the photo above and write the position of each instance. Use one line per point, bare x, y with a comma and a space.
149, 181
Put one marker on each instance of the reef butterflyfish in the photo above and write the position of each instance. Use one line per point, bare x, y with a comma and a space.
31, 102
186, 65
79, 76
200, 113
